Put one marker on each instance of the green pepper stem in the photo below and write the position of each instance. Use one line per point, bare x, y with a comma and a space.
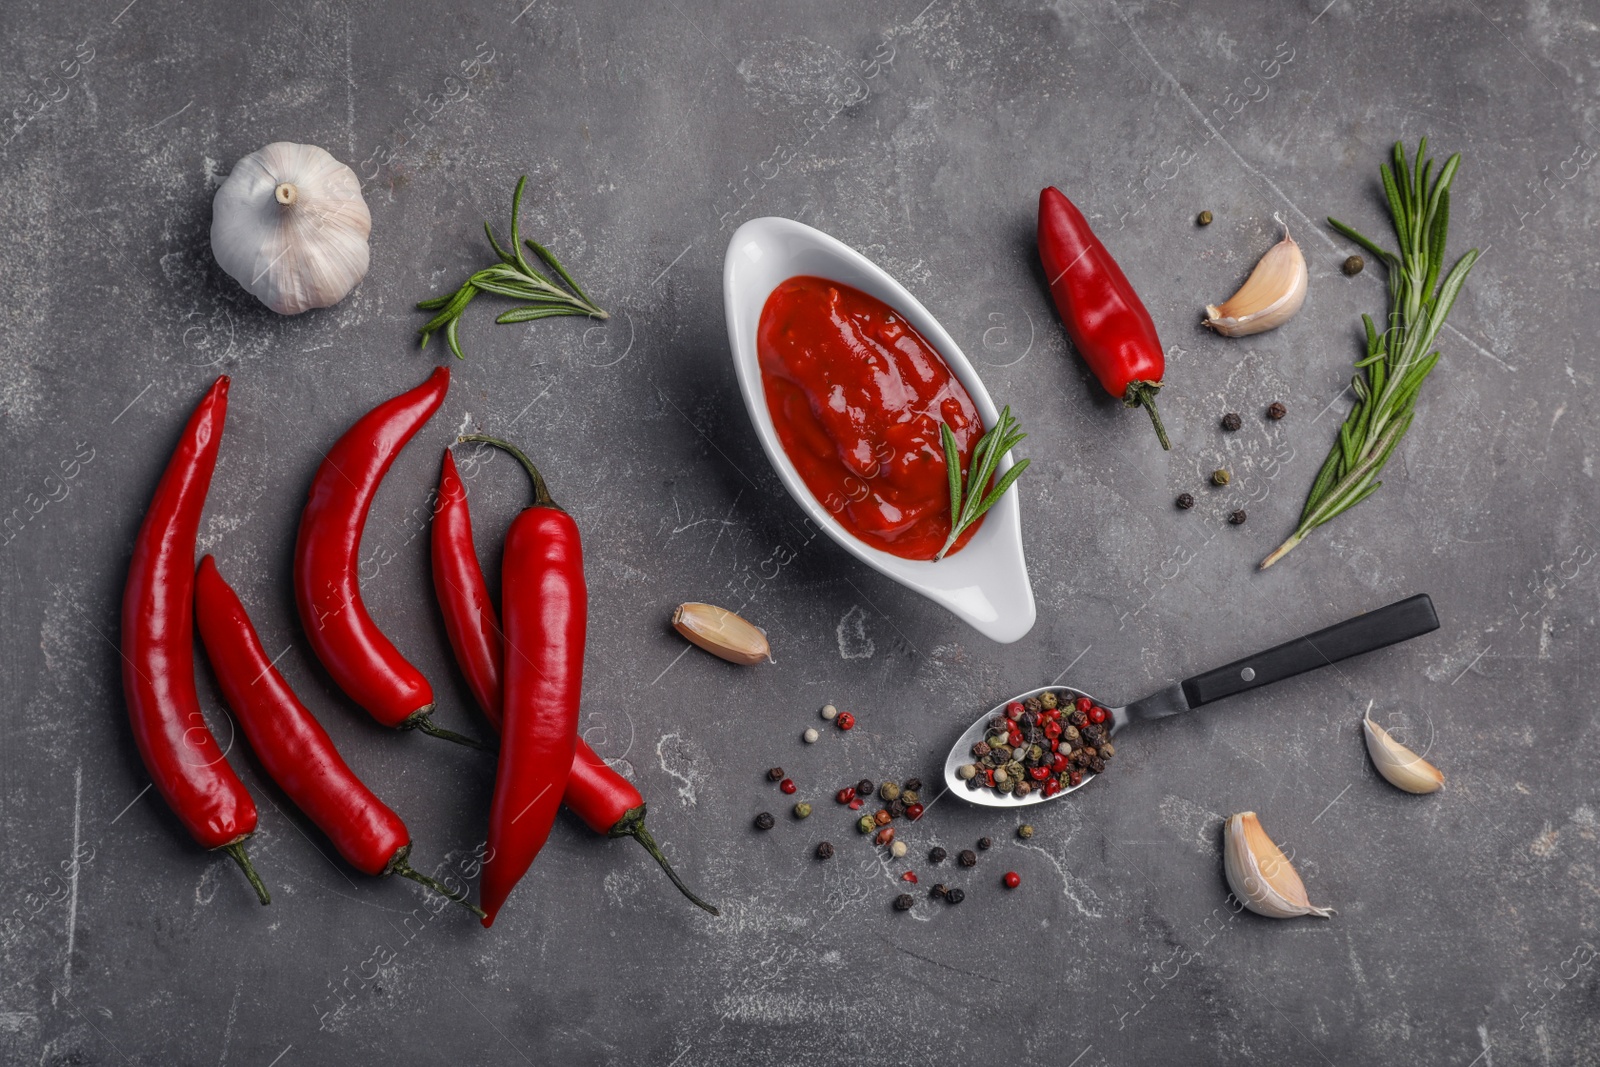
1143, 394
541, 494
236, 850
399, 866
632, 825
422, 721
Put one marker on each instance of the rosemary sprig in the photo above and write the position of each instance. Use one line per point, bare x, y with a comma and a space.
514, 277
1398, 359
968, 501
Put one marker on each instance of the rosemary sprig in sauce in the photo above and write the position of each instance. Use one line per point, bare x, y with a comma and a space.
968, 501
1397, 360
515, 277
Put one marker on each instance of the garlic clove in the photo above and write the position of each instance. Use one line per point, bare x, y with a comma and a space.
721, 633
1403, 768
1260, 875
1269, 297
289, 224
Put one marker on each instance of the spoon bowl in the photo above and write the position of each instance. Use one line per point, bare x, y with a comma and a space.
988, 798
985, 583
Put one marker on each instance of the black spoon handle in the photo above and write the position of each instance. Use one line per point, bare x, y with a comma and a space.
1400, 621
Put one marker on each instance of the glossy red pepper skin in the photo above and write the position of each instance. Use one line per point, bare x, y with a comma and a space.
606, 801
1104, 317
188, 767
327, 587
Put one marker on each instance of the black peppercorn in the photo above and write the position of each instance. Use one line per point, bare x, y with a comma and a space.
939, 889
1185, 501
967, 858
998, 722
903, 902
913, 784
937, 854
955, 895
765, 821
1032, 705
1078, 719
897, 807
865, 788
985, 843
1238, 517
775, 774
1276, 410
825, 850
1220, 477
1231, 421
981, 749
1097, 765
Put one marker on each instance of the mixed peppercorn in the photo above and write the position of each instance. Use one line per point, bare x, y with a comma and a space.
1045, 743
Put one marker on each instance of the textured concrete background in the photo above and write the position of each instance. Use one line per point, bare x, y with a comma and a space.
920, 135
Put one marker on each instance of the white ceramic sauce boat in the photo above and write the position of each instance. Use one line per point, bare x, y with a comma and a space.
985, 584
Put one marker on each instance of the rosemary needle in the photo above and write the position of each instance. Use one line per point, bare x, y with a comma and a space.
968, 501
514, 277
1397, 360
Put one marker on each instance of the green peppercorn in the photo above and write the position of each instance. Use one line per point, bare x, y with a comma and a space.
802, 810
866, 824
888, 791
1048, 699
1025, 831
1220, 477
765, 821
1353, 265
1203, 219
1035, 752
909, 796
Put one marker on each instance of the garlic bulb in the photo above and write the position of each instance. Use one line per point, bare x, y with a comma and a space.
1402, 767
290, 225
721, 633
1260, 875
1269, 297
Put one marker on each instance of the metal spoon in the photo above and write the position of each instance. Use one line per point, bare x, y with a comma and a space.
1386, 626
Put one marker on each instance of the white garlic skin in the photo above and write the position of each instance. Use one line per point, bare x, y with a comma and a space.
290, 225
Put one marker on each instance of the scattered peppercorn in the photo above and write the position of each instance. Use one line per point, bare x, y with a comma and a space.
775, 774
939, 889
1025, 831
1203, 219
909, 876
1013, 879
967, 858
1353, 265
802, 810
1231, 421
903, 902
888, 791
866, 824
845, 795
865, 788
885, 836
1219, 477
829, 712
914, 811
912, 784
765, 821
787, 785
825, 850
882, 817
1276, 410
1238, 517
937, 854
910, 796
845, 721
811, 735
986, 843
897, 850
955, 896
1185, 501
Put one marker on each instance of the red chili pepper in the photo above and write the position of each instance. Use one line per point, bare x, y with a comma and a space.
188, 767
1105, 318
327, 553
545, 606
606, 801
295, 750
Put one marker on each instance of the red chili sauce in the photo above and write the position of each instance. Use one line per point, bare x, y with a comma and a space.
857, 396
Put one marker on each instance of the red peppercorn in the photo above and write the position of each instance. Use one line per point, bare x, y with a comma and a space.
1097, 715
845, 721
1014, 738
1039, 774
885, 836
845, 795
1054, 745
1052, 714
1075, 777
1052, 787
1083, 704
1013, 879
914, 812
1014, 710
1052, 730
989, 774
787, 785
856, 803
909, 876
1058, 764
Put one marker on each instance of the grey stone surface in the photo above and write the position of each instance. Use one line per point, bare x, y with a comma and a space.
920, 135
